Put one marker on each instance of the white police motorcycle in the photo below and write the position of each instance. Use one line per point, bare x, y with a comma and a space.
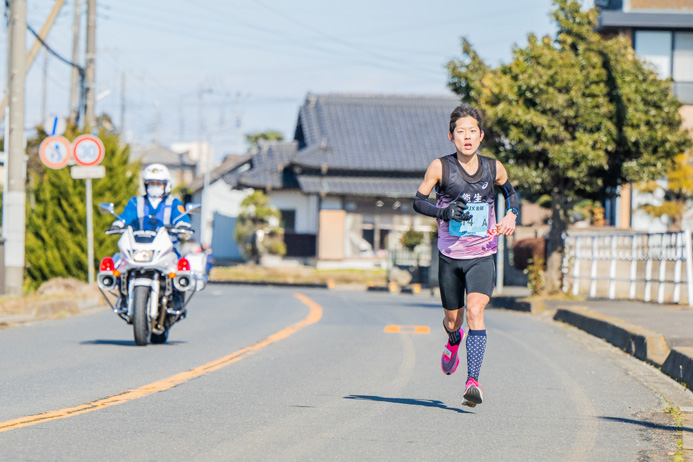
150, 283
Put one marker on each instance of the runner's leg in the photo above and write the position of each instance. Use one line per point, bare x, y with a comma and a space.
452, 298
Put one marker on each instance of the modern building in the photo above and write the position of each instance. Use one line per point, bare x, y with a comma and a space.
661, 32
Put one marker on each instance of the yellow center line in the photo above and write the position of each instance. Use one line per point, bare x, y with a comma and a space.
314, 316
396, 329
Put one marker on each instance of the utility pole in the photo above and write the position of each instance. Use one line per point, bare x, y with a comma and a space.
74, 87
90, 74
31, 55
205, 221
14, 215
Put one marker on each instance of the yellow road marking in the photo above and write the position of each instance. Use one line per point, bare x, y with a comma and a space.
395, 329
313, 316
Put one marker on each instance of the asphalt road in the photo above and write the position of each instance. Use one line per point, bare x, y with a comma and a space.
258, 373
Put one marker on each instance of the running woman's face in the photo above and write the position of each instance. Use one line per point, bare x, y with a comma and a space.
467, 136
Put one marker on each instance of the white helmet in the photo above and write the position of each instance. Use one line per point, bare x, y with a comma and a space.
157, 172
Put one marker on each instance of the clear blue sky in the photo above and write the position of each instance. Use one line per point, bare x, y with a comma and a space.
267, 55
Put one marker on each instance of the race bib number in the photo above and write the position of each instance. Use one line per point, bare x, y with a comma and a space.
476, 226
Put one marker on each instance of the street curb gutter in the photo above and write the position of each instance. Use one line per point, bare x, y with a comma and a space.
634, 340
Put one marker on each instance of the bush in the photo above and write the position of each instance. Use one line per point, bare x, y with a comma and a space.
527, 250
411, 238
535, 276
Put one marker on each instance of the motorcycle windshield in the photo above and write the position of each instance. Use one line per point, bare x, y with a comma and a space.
148, 223
145, 229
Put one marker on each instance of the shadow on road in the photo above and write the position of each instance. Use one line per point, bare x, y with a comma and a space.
124, 342
436, 305
647, 424
413, 402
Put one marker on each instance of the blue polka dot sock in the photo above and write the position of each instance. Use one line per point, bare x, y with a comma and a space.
476, 346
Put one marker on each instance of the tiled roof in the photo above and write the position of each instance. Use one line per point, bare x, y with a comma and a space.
374, 132
226, 168
268, 164
359, 186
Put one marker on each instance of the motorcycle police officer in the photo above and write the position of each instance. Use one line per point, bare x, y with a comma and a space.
156, 202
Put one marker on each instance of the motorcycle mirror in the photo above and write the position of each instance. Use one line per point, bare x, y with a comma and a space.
193, 208
107, 208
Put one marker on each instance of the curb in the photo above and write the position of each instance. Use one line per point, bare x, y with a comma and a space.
634, 340
679, 366
50, 309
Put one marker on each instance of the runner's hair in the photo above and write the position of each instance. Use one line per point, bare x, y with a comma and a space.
465, 110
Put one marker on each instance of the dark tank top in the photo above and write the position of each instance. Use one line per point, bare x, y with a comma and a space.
477, 190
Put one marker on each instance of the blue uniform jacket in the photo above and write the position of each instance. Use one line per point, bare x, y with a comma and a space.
130, 213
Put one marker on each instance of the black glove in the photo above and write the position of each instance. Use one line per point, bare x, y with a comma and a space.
116, 226
455, 211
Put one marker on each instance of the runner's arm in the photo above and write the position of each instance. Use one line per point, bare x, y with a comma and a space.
507, 225
434, 175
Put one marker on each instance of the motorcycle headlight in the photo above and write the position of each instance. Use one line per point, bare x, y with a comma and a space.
143, 255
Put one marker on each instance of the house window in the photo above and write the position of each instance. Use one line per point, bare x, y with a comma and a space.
671, 53
683, 66
288, 222
655, 47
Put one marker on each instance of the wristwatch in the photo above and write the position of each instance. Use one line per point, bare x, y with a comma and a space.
514, 211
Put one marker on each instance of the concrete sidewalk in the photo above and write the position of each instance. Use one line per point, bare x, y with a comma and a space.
659, 334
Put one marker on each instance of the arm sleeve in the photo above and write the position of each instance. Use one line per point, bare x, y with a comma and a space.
510, 195
130, 213
422, 206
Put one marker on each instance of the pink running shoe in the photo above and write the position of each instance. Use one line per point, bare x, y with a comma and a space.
450, 360
472, 393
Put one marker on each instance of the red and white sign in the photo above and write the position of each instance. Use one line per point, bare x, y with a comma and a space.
88, 150
54, 152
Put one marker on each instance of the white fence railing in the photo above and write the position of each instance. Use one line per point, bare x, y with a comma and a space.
624, 263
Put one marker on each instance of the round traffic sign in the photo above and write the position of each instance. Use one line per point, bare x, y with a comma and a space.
87, 150
54, 126
54, 152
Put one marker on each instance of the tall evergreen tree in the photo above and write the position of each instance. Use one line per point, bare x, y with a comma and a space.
572, 115
56, 238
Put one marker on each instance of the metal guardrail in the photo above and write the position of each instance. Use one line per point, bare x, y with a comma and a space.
632, 249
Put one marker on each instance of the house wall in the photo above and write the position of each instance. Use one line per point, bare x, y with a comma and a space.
661, 4
224, 207
305, 206
640, 220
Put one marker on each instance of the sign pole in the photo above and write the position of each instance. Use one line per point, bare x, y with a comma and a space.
90, 234
88, 151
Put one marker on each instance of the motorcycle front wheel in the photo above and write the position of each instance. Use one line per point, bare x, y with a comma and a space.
139, 314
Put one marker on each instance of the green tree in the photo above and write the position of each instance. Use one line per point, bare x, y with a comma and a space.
677, 192
257, 228
253, 139
572, 116
56, 242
